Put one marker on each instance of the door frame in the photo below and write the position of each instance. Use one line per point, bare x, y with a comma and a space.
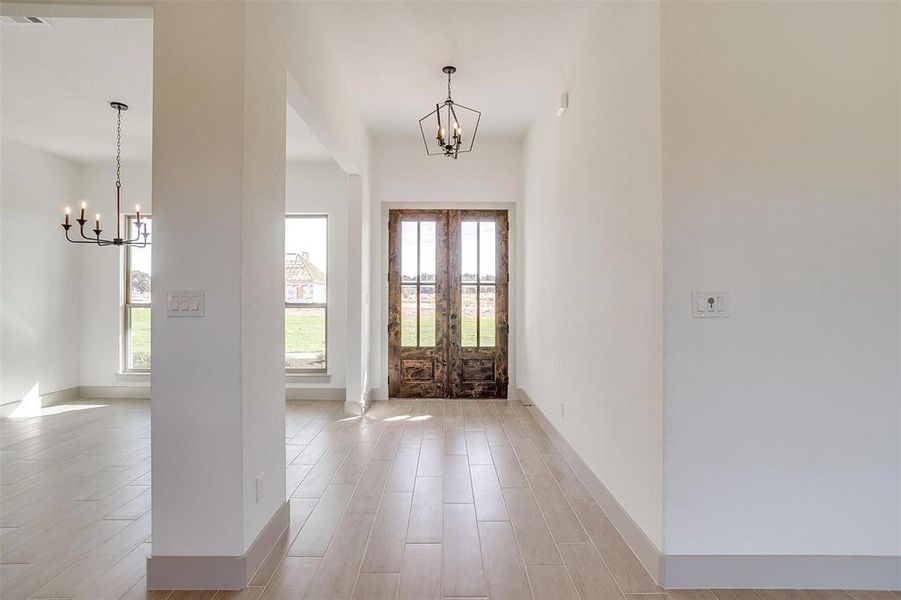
380, 266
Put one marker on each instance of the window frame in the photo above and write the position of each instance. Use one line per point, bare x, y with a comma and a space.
127, 304
478, 284
323, 305
418, 283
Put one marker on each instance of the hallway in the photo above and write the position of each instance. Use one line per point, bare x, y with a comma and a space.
423, 499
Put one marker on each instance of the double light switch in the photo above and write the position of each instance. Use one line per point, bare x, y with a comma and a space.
710, 305
184, 303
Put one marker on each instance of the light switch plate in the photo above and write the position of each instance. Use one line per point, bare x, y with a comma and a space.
710, 304
184, 303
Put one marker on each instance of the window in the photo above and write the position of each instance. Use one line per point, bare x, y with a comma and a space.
479, 284
418, 278
137, 301
306, 292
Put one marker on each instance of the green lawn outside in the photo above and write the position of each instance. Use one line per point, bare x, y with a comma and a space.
468, 331
140, 338
305, 332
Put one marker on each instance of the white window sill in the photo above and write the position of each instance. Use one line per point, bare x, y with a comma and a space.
308, 378
289, 377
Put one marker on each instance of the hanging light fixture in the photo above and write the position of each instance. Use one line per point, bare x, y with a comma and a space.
140, 239
449, 132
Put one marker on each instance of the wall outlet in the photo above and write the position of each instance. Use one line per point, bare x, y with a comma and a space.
259, 487
710, 305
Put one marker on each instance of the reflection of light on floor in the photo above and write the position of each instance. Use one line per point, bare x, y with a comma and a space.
350, 418
408, 418
25, 411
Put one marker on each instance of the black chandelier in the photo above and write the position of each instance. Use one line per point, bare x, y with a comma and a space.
455, 115
140, 239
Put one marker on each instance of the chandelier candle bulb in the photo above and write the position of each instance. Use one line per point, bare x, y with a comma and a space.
84, 205
456, 114
68, 210
138, 213
97, 220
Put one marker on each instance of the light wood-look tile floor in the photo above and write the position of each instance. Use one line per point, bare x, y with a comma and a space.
416, 500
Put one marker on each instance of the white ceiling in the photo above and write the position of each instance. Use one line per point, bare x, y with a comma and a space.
508, 54
57, 80
302, 145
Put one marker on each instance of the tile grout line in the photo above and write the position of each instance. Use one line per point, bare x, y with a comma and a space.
318, 500
375, 514
579, 519
515, 536
540, 512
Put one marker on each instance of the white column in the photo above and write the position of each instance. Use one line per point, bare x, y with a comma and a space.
217, 381
357, 296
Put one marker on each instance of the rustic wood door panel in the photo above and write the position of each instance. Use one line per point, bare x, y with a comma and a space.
417, 304
478, 320
447, 303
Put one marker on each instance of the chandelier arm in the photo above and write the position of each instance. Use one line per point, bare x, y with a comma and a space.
93, 240
85, 241
81, 223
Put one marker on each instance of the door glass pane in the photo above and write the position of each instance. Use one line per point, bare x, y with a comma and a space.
305, 338
139, 263
139, 337
408, 315
306, 259
409, 245
427, 315
427, 251
486, 252
487, 316
468, 254
468, 335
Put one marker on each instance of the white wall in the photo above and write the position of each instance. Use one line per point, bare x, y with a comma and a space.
404, 176
254, 58
591, 256
102, 272
310, 188
780, 156
39, 274
321, 188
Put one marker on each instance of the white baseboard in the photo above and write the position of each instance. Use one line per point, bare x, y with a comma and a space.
110, 392
523, 397
785, 571
218, 572
61, 397
847, 572
318, 393
643, 548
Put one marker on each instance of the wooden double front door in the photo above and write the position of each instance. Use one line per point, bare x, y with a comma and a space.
447, 303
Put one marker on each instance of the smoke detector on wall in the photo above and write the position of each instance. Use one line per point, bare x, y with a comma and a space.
25, 21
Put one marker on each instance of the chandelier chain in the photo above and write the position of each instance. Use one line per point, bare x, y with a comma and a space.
118, 147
